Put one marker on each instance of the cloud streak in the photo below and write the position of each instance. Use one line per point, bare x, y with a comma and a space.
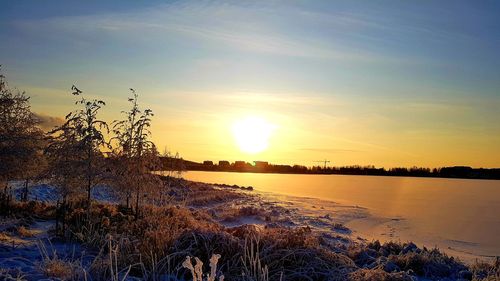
48, 122
222, 26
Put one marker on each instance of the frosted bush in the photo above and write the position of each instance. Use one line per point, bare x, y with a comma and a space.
197, 269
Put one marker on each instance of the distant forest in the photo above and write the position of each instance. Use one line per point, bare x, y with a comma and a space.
264, 167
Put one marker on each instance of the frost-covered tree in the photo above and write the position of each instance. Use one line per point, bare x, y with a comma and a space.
134, 154
21, 138
64, 155
75, 148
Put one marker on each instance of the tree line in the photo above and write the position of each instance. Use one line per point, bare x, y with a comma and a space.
443, 172
82, 153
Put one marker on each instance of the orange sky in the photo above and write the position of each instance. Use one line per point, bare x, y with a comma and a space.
367, 84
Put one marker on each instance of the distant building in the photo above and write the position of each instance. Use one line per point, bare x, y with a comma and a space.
208, 163
261, 164
239, 164
224, 163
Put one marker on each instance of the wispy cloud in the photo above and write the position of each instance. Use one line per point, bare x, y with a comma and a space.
48, 122
221, 24
277, 98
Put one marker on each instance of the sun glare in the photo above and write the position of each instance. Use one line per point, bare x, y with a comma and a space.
252, 134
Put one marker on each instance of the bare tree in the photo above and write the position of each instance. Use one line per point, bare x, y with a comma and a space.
75, 147
21, 138
135, 155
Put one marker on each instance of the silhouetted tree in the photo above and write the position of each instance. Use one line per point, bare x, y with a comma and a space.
135, 155
75, 148
21, 139
64, 155
173, 164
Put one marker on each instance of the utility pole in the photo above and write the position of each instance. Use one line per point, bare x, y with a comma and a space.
323, 161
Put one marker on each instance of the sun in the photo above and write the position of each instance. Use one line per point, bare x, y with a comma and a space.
252, 134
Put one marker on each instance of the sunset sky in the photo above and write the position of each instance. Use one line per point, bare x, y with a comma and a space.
387, 83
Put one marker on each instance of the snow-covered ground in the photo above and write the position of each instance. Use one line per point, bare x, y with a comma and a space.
360, 224
47, 193
325, 217
343, 220
25, 253
22, 255
258, 209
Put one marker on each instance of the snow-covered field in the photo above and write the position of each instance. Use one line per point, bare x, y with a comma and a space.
25, 254
26, 244
47, 193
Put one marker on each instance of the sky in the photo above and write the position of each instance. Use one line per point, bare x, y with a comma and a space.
384, 83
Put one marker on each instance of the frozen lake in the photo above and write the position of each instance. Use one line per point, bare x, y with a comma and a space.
461, 217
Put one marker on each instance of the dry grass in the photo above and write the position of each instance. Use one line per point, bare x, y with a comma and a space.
378, 275
428, 263
144, 244
11, 275
9, 240
4, 237
289, 254
198, 194
196, 270
252, 263
52, 266
155, 245
27, 233
225, 213
159, 241
486, 271
33, 209
56, 268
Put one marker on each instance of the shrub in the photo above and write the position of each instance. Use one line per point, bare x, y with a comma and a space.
427, 263
24, 232
378, 275
196, 270
54, 267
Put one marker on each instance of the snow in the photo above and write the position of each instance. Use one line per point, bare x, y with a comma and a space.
23, 254
43, 192
40, 192
105, 194
274, 210
263, 209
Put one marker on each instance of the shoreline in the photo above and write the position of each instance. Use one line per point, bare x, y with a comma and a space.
324, 174
360, 222
231, 209
370, 227
426, 211
343, 174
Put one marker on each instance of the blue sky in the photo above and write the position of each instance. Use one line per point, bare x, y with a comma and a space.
359, 82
